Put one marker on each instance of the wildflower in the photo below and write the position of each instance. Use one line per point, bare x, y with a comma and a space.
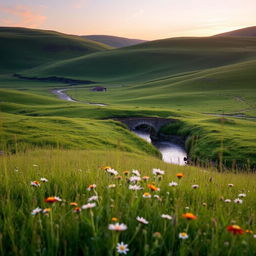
238, 201
117, 227
52, 199
145, 178
254, 236
118, 177
114, 219
183, 235
179, 175
93, 198
122, 248
35, 183
195, 186
91, 187
248, 231
204, 204
44, 180
73, 204
47, 211
112, 186
35, 165
227, 201
77, 209
146, 195
189, 216
136, 172
166, 216
157, 172
235, 229
173, 184
105, 168
157, 197
88, 206
186, 208
36, 211
134, 179
142, 220
230, 185
153, 188
135, 187
242, 195
126, 173
157, 235
112, 171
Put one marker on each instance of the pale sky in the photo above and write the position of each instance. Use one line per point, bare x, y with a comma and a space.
144, 19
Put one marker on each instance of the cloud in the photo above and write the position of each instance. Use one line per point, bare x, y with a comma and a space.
21, 16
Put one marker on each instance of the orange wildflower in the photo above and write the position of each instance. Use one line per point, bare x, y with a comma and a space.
235, 229
145, 177
51, 199
189, 216
180, 175
105, 167
118, 177
77, 209
73, 204
248, 231
114, 219
126, 173
153, 188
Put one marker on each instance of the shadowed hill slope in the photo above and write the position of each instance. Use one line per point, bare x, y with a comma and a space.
22, 48
250, 31
114, 41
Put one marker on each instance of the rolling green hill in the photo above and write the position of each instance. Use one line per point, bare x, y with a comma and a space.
153, 60
22, 48
114, 41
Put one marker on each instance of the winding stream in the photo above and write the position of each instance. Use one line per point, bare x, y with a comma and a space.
171, 153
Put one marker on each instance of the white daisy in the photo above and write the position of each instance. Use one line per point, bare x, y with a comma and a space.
122, 248
156, 171
227, 201
134, 179
88, 206
142, 220
195, 186
166, 216
112, 171
135, 187
112, 186
44, 180
183, 235
230, 185
117, 227
146, 195
36, 211
136, 172
242, 195
93, 198
238, 201
173, 184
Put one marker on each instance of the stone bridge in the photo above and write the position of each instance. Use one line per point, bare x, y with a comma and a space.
154, 122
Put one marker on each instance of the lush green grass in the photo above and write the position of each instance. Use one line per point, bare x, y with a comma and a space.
64, 232
181, 78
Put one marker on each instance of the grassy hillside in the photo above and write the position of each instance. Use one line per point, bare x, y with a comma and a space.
22, 48
63, 229
153, 60
249, 31
114, 41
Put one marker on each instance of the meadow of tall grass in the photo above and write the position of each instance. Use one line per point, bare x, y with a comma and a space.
62, 202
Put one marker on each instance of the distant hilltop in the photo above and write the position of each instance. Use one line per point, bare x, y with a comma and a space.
114, 41
249, 31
